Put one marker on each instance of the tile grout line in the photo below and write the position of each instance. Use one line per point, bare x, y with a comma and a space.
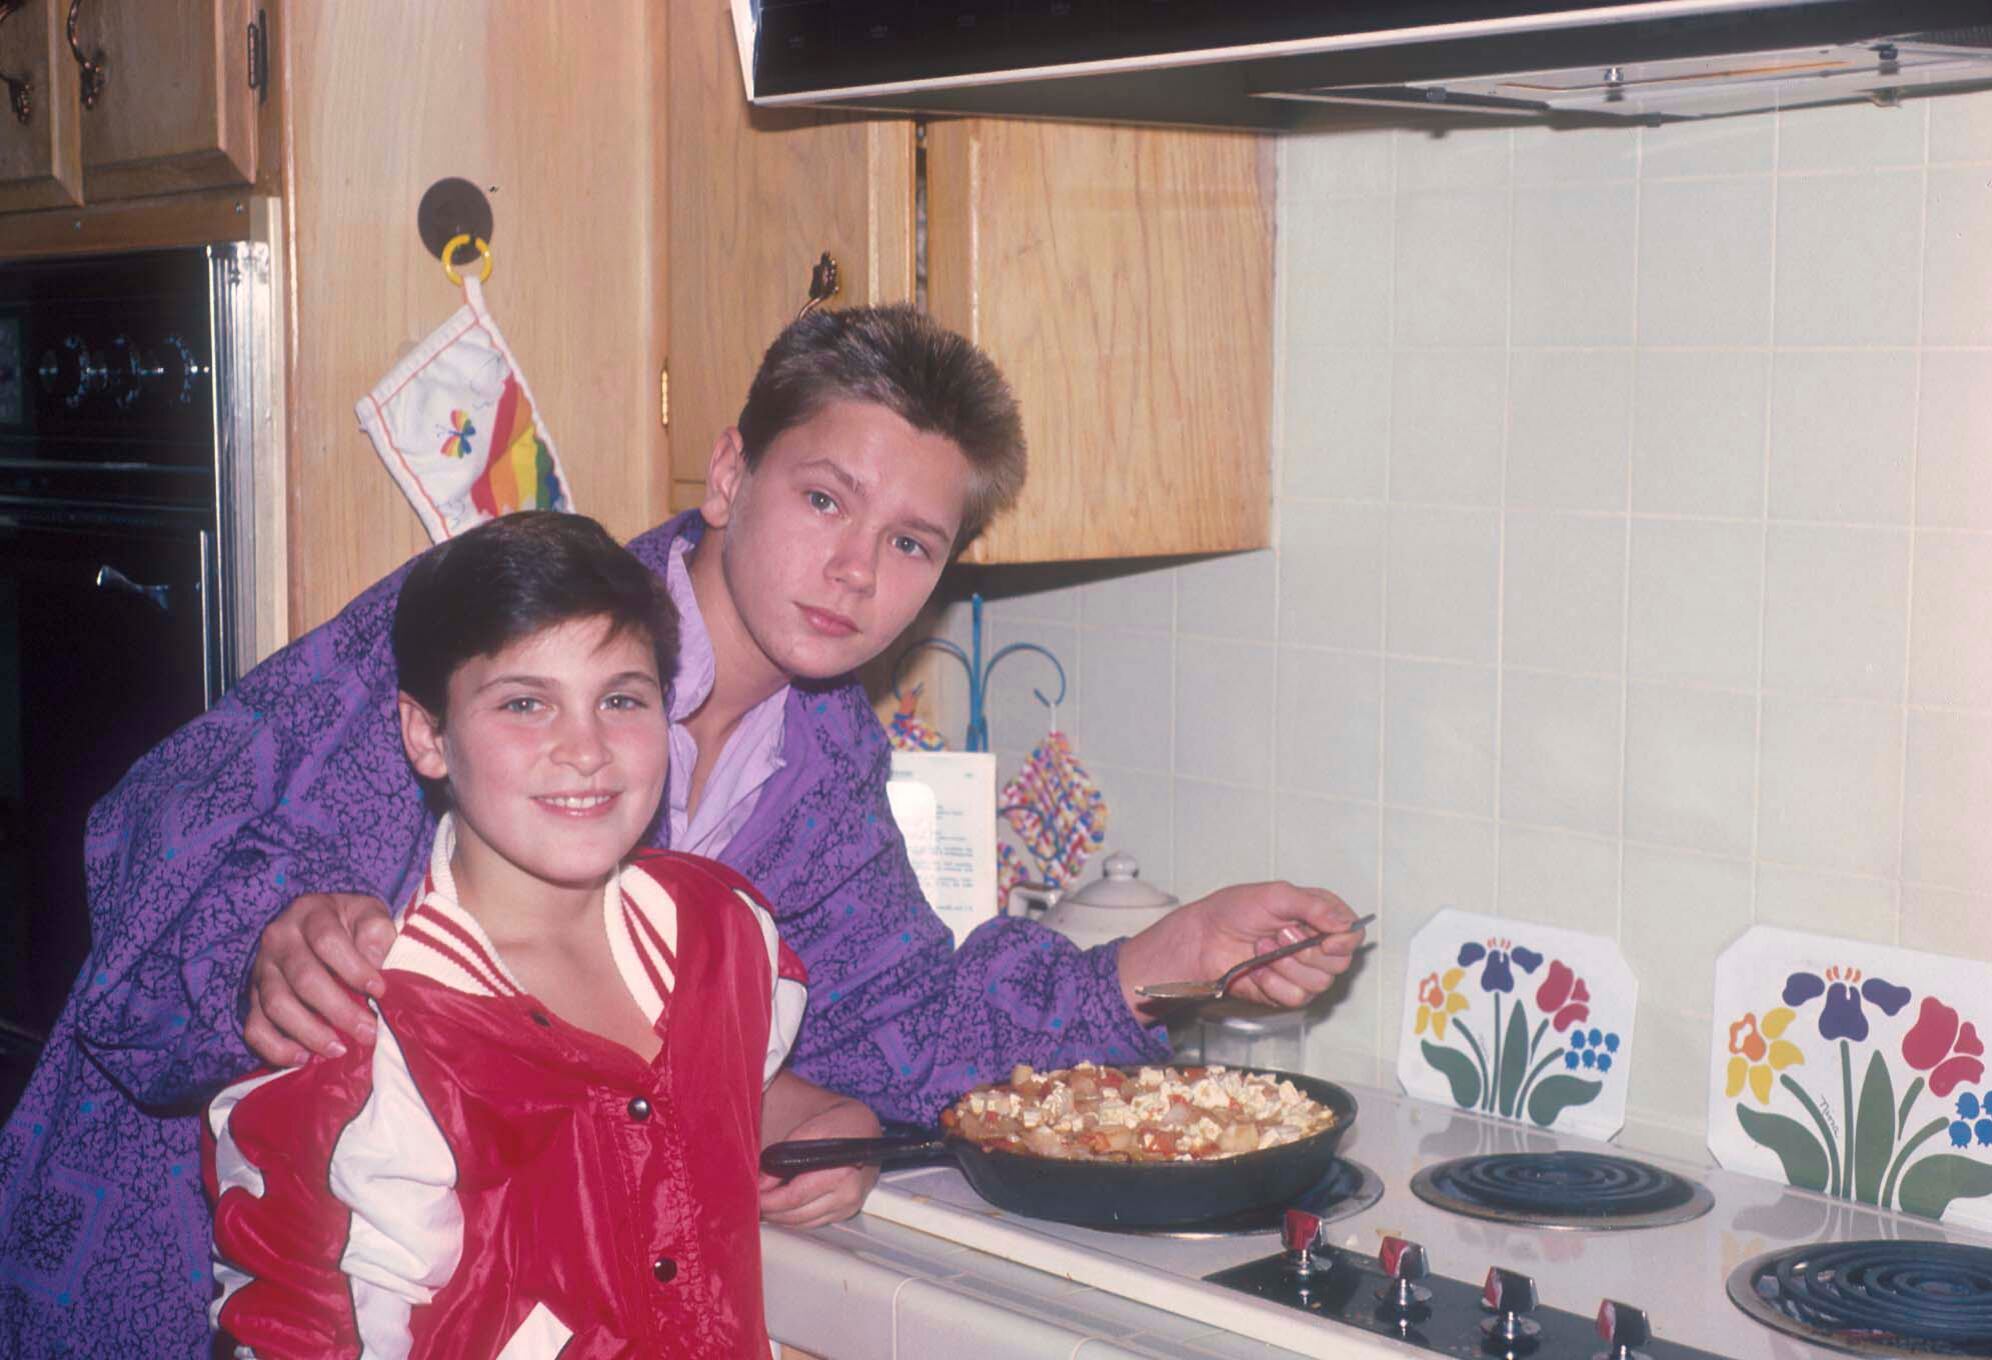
1377, 1040
1625, 558
1764, 546
1501, 526
1915, 536
1282, 275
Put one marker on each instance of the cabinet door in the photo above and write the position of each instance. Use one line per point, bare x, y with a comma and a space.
176, 111
1122, 277
41, 158
755, 198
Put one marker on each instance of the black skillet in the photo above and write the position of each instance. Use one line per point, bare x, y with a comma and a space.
1106, 1194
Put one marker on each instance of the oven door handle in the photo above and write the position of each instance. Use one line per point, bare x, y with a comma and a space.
110, 578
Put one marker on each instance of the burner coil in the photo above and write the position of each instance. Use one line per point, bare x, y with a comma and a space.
1934, 1297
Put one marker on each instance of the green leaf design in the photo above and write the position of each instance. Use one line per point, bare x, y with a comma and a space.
1555, 1094
1803, 1158
1874, 1129
1458, 1069
1929, 1186
1514, 1058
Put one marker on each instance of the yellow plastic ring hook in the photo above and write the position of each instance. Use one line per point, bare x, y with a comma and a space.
449, 257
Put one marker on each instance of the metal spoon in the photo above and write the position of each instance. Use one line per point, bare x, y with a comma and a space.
1210, 991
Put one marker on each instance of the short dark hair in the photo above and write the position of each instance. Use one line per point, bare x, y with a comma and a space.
902, 359
478, 593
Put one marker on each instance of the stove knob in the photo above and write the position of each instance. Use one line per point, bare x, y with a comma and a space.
89, 373
1512, 1296
1404, 1263
133, 371
1622, 1327
1300, 1233
192, 371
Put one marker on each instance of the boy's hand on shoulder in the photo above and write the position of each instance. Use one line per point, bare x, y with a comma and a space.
818, 1197
316, 962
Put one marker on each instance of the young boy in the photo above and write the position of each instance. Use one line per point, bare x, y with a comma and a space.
552, 1140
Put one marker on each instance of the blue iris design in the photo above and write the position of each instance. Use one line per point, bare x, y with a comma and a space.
1496, 975
1842, 1017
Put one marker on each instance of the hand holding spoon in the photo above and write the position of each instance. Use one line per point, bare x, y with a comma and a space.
1210, 991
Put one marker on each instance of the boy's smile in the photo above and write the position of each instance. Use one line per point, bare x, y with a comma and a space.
832, 542
555, 751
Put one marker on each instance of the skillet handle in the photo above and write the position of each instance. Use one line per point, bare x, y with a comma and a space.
791, 1159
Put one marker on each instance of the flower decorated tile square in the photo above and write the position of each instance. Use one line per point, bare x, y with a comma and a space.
1854, 1069
1522, 1021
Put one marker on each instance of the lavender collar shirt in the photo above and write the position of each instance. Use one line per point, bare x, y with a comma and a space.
296, 783
751, 754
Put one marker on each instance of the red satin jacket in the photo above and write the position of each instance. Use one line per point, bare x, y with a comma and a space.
488, 1181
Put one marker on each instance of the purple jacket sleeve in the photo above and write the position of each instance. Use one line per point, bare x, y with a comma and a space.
294, 783
897, 1015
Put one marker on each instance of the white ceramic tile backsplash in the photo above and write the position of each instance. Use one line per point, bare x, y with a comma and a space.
1329, 717
1336, 423
1448, 411
1698, 432
1695, 605
1849, 250
1843, 429
1634, 544
1569, 417
1953, 430
1836, 611
1438, 736
1442, 583
1691, 768
1563, 591
1703, 287
1559, 878
1451, 277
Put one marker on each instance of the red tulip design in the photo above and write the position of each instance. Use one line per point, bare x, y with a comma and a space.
1563, 995
1951, 1053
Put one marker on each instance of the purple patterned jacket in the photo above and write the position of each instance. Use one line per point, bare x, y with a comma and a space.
296, 783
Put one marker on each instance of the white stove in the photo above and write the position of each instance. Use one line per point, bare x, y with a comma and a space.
1676, 1273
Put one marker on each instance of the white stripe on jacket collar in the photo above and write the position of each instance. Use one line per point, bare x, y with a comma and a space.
440, 940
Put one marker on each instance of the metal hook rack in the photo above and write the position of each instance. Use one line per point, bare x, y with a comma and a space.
979, 673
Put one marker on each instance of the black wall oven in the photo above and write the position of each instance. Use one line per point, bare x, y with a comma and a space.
124, 467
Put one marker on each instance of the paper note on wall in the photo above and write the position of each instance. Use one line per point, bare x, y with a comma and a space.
945, 805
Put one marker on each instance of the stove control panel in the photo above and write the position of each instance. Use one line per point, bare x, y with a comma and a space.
1395, 1294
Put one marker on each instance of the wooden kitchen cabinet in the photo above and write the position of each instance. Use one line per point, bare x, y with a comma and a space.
174, 109
177, 110
1121, 276
41, 150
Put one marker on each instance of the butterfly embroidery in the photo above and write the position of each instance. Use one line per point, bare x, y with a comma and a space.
456, 444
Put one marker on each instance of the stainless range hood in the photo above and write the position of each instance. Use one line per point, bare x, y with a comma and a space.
1284, 65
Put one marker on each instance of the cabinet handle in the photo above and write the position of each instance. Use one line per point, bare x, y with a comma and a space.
92, 70
823, 285
20, 89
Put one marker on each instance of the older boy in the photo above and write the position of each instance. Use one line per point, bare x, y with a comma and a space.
872, 446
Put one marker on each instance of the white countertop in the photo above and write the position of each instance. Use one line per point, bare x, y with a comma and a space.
932, 1270
870, 1289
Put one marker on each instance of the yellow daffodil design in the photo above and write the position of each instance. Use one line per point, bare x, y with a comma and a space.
1438, 1001
1758, 1054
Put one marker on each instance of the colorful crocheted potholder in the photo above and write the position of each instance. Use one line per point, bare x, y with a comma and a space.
906, 732
1058, 814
